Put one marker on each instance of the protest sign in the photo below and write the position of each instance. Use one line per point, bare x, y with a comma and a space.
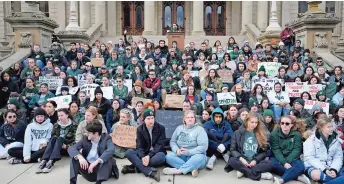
174, 101
203, 74
81, 79
134, 100
97, 62
52, 81
294, 89
62, 101
313, 89
226, 98
194, 73
88, 88
170, 119
268, 84
310, 103
124, 136
129, 84
215, 67
107, 93
72, 90
226, 76
271, 68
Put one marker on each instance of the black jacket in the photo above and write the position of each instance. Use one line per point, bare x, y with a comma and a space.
9, 134
143, 141
103, 107
237, 143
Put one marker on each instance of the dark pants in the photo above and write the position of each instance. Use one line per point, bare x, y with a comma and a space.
324, 178
157, 160
101, 173
253, 173
54, 148
292, 173
18, 153
213, 151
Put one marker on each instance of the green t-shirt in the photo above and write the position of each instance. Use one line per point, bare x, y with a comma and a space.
250, 146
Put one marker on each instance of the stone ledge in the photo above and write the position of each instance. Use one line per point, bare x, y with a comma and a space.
18, 56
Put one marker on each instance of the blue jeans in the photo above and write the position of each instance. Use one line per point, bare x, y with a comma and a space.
157, 160
39, 63
292, 173
324, 178
186, 163
279, 110
157, 94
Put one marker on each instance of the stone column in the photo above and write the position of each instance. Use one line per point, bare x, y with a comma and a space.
100, 15
197, 19
262, 17
149, 17
246, 15
85, 15
73, 20
273, 24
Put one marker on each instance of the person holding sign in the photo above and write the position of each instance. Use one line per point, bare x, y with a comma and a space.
92, 156
280, 101
189, 144
150, 151
42, 97
219, 133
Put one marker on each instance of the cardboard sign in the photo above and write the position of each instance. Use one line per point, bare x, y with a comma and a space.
295, 89
268, 84
53, 81
271, 68
107, 93
134, 100
203, 74
310, 103
72, 90
87, 89
97, 62
170, 119
124, 136
174, 101
226, 76
226, 98
62, 101
194, 73
81, 79
231, 64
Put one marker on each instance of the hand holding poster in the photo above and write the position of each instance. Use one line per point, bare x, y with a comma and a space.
174, 101
271, 68
62, 101
226, 76
310, 103
226, 98
82, 79
124, 136
52, 81
268, 84
88, 88
72, 90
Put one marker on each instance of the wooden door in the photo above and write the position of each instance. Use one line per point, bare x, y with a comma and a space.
215, 18
133, 17
173, 12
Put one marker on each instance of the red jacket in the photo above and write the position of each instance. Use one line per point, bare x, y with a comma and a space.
155, 84
285, 33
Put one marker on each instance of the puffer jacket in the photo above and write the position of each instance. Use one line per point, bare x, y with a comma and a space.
316, 154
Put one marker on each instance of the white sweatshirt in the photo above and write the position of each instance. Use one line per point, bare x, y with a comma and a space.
276, 98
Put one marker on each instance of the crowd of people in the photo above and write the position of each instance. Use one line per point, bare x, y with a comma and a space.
263, 133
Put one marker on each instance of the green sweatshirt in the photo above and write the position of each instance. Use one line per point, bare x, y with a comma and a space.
26, 73
112, 64
167, 84
28, 93
122, 93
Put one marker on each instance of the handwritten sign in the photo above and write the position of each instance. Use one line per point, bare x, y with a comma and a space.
194, 73
72, 90
170, 119
310, 103
134, 100
97, 62
62, 101
271, 68
124, 136
81, 79
295, 89
226, 98
88, 88
313, 89
268, 84
107, 93
52, 81
175, 101
226, 76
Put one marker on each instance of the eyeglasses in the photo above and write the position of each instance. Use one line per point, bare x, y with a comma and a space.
285, 123
10, 117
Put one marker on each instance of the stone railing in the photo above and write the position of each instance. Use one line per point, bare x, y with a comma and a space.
20, 55
94, 32
252, 33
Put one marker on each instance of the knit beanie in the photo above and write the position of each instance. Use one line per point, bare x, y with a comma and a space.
300, 101
13, 101
147, 112
320, 93
40, 111
262, 68
251, 103
169, 74
268, 112
98, 90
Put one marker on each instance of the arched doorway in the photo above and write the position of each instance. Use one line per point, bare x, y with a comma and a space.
133, 17
215, 18
173, 12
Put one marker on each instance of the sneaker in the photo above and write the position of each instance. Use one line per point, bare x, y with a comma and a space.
194, 173
239, 174
170, 171
211, 161
155, 175
14, 161
304, 179
276, 180
226, 157
266, 176
48, 167
128, 169
41, 166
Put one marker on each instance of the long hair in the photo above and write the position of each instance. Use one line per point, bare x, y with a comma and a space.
254, 90
67, 112
228, 117
298, 123
259, 130
208, 76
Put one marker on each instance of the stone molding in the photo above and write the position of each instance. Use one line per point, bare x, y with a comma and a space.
25, 40
320, 40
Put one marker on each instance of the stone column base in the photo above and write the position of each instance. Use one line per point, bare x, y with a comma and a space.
72, 36
147, 33
266, 38
198, 33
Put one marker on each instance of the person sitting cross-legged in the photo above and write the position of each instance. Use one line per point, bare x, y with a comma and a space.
95, 161
150, 151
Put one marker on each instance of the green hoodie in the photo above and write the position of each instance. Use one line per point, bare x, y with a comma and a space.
36, 99
167, 84
112, 64
122, 93
29, 93
286, 148
26, 73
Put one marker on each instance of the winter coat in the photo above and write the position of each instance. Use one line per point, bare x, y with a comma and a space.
218, 84
69, 132
155, 84
275, 99
111, 118
318, 156
286, 148
103, 106
34, 102
11, 87
81, 130
337, 98
9, 134
216, 132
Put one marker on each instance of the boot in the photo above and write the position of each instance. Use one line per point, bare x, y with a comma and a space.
155, 175
128, 169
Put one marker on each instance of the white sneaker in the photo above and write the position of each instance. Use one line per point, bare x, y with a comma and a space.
266, 176
226, 157
14, 161
239, 174
276, 180
211, 162
194, 173
304, 179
